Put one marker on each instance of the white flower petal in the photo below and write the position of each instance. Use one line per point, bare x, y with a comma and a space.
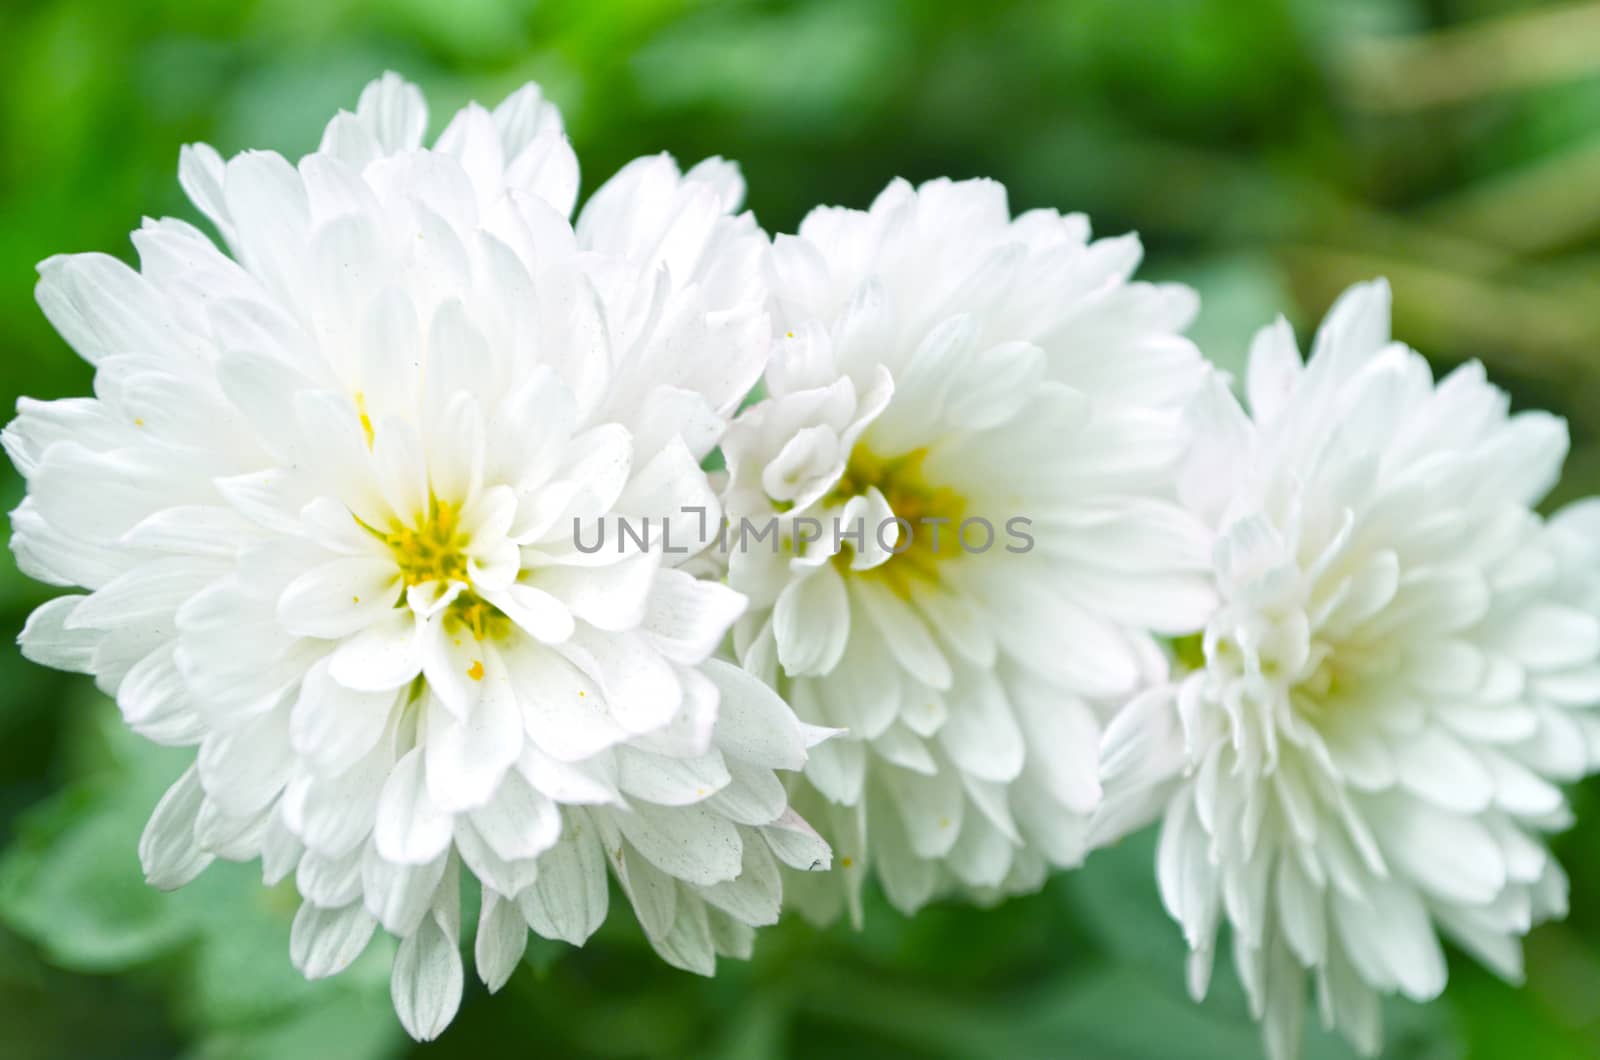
502, 937
641, 690
466, 758
426, 982
335, 726
330, 882
611, 597
47, 640
812, 622
519, 822
753, 724
245, 768
400, 895
687, 617
688, 945
1390, 941
324, 942
411, 829
1451, 857
797, 844
587, 783
381, 657
905, 633
167, 850
564, 713
568, 900
1438, 767
688, 843
340, 598
670, 781
541, 615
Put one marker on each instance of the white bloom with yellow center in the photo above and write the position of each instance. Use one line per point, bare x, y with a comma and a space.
1402, 668
999, 387
335, 504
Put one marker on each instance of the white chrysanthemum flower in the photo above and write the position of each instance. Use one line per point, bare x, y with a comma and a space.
1390, 689
336, 503
1000, 387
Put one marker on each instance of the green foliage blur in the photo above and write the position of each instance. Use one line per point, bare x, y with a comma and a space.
1269, 151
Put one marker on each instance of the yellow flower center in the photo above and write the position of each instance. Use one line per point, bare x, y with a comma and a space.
434, 549
473, 615
932, 514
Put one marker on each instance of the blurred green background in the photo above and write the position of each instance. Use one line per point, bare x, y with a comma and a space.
1270, 151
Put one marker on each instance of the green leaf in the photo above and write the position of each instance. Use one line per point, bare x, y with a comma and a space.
339, 1023
72, 883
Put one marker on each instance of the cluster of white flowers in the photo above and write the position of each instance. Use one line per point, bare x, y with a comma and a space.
394, 510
